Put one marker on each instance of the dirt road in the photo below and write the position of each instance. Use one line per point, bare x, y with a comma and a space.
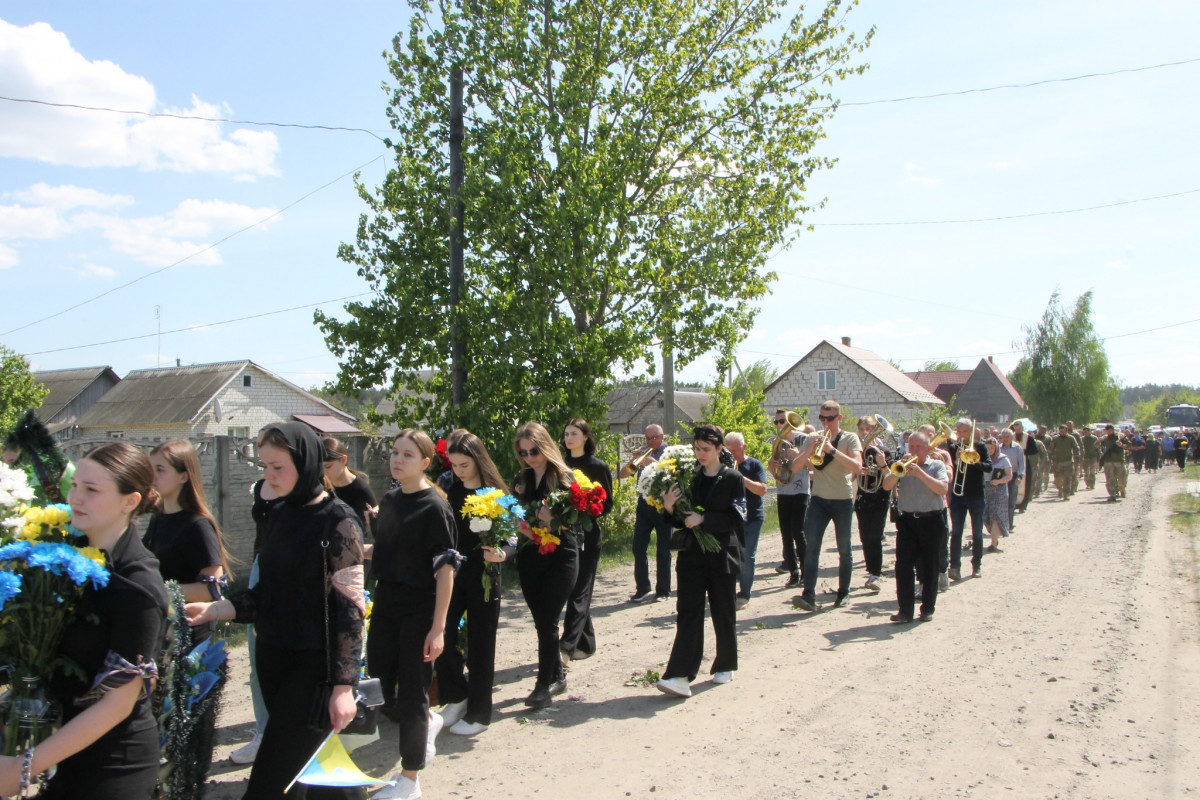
1070, 670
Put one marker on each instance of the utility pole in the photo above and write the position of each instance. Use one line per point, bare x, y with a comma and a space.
668, 388
158, 316
458, 346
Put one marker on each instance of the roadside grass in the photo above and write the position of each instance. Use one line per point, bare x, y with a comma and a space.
1185, 512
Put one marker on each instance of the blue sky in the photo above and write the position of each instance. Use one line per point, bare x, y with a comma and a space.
90, 201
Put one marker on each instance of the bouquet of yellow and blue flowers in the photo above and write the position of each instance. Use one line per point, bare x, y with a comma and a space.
496, 517
677, 466
45, 568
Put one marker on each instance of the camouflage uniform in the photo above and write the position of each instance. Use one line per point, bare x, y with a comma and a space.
1113, 451
1078, 458
1091, 452
1044, 467
1065, 455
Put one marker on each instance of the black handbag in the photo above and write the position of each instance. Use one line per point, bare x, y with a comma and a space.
368, 694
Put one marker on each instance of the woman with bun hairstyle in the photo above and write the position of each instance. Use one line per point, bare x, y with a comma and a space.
468, 696
309, 533
718, 499
579, 636
107, 748
184, 536
547, 579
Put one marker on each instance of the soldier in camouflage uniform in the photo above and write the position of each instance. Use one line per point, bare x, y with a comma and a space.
1078, 456
1091, 452
1065, 455
1113, 450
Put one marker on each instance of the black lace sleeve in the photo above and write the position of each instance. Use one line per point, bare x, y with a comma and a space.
347, 604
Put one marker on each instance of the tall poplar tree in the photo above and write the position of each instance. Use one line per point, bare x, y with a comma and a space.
629, 166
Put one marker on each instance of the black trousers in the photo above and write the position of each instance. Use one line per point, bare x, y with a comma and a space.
400, 621
792, 508
483, 618
697, 575
918, 543
289, 680
546, 582
578, 631
872, 518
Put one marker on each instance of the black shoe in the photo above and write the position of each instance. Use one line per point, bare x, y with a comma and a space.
841, 598
558, 687
792, 582
805, 602
900, 619
781, 568
662, 597
641, 597
540, 696
926, 616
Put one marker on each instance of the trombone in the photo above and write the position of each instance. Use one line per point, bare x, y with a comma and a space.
966, 457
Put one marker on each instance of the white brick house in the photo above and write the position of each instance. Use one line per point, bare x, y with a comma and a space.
853, 377
234, 398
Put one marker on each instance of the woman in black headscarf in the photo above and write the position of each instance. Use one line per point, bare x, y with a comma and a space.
718, 495
288, 606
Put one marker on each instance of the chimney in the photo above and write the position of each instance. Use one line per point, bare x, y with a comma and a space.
846, 341
178, 363
990, 360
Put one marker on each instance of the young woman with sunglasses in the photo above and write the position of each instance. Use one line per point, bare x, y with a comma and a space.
579, 636
547, 579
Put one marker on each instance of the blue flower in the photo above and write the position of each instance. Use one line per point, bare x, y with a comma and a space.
15, 550
10, 587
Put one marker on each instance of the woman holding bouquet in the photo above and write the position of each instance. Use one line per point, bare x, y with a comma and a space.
547, 571
468, 708
108, 745
579, 637
309, 533
717, 496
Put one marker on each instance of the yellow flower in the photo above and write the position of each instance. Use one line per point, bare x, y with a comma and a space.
92, 553
30, 531
583, 481
34, 515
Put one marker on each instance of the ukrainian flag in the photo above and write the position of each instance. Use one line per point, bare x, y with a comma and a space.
331, 766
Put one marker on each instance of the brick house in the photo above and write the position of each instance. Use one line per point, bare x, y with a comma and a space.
233, 398
631, 409
72, 392
984, 394
852, 376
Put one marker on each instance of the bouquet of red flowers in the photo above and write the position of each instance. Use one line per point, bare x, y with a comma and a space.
577, 505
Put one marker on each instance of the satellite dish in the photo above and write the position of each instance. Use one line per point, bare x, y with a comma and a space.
217, 409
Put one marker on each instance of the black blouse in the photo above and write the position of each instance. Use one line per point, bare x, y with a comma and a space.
414, 536
184, 543
288, 604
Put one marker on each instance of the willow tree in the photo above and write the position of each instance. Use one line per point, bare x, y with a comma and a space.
1064, 373
629, 166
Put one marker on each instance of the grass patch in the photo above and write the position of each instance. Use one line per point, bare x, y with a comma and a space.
643, 679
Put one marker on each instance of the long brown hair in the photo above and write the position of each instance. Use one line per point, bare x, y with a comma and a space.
464, 443
557, 472
589, 441
336, 448
130, 469
425, 447
181, 456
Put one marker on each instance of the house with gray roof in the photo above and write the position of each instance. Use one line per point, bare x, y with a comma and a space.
852, 376
632, 408
72, 392
232, 398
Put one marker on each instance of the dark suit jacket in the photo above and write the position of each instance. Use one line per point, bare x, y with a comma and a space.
724, 517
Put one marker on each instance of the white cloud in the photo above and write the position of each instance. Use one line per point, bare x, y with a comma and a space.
97, 271
67, 197
1117, 263
38, 63
8, 257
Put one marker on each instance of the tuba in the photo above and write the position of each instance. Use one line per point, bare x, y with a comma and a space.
873, 480
782, 472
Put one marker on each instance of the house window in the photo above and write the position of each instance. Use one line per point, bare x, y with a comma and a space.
827, 380
116, 434
246, 381
239, 433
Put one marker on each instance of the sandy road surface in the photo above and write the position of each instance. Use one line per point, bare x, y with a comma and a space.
1070, 670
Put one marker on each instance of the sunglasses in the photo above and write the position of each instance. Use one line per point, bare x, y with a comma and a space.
780, 421
829, 418
533, 451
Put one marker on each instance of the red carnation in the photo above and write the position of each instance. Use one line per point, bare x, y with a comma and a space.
443, 453
596, 509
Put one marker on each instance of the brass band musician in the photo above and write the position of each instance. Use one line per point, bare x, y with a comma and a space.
871, 501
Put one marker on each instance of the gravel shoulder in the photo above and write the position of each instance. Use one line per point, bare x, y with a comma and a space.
1070, 670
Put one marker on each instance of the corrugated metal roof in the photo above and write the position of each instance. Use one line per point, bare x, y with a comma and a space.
161, 396
65, 385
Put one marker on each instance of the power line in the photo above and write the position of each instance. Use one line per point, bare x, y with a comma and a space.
1042, 82
204, 249
202, 325
134, 113
1005, 217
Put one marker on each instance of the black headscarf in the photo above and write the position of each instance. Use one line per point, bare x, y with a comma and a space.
308, 454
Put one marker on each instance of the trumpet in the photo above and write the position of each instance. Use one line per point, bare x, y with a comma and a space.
901, 467
782, 472
966, 457
639, 459
817, 459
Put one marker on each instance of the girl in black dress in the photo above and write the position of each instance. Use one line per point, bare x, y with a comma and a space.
107, 748
184, 537
468, 696
579, 636
349, 485
414, 560
547, 579
718, 495
309, 533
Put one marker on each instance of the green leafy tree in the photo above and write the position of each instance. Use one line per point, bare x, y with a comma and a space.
744, 414
754, 379
939, 366
1154, 411
19, 391
629, 166
1064, 373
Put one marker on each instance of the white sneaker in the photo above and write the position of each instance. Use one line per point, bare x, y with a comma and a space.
453, 712
676, 686
405, 789
722, 677
435, 727
464, 728
247, 752
873, 583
